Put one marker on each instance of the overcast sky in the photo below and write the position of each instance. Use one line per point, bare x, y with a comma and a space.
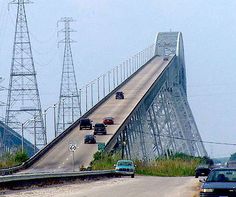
109, 31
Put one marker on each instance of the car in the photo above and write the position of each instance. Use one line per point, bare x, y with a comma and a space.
120, 95
202, 170
108, 121
86, 123
165, 59
220, 182
100, 128
125, 167
90, 139
231, 164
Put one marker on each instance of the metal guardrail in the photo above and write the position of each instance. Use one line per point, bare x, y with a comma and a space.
23, 180
39, 154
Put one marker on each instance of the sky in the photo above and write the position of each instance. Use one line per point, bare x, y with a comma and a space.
109, 31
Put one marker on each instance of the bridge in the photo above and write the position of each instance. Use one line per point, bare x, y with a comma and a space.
153, 120
12, 141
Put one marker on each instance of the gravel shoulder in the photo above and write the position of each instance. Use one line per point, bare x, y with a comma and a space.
140, 186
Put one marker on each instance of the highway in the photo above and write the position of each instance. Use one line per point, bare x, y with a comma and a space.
59, 158
140, 186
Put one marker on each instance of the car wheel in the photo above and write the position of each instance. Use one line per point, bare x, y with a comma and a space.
196, 175
132, 176
80, 128
90, 127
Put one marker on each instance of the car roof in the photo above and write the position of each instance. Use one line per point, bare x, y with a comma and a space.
89, 135
223, 169
125, 161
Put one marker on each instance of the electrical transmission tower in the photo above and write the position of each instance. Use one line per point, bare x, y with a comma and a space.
23, 101
69, 101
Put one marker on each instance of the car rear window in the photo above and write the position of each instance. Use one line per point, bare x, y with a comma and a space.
99, 125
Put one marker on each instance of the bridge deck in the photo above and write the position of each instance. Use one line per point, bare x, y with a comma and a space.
59, 158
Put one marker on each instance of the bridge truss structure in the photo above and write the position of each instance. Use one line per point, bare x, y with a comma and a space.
162, 123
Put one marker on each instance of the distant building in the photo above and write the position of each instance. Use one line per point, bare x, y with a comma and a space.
12, 141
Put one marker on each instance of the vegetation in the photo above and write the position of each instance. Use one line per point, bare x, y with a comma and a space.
232, 157
12, 159
176, 165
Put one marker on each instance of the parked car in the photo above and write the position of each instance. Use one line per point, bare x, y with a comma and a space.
108, 120
220, 182
165, 58
231, 164
90, 139
86, 123
120, 95
100, 128
125, 167
202, 170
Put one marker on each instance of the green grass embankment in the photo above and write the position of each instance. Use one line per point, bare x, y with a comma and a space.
176, 165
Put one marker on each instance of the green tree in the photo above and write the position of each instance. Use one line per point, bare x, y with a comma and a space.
232, 157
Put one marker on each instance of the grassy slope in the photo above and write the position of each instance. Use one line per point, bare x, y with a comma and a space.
178, 165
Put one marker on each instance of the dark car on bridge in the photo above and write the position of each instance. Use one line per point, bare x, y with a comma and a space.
100, 128
120, 95
221, 182
90, 139
86, 123
108, 121
202, 170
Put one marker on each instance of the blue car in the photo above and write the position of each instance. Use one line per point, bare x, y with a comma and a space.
125, 167
221, 182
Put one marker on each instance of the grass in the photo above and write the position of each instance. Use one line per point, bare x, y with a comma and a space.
177, 165
8, 160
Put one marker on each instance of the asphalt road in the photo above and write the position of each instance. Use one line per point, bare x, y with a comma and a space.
140, 186
59, 158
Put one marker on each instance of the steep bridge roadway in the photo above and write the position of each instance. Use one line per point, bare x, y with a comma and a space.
59, 158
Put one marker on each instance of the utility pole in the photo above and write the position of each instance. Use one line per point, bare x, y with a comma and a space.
23, 100
69, 101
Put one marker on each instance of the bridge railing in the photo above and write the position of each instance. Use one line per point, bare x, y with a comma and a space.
99, 88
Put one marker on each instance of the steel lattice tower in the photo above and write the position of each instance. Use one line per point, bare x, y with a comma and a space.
23, 101
69, 102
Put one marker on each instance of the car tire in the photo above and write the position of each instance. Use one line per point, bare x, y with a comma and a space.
90, 127
80, 128
132, 176
95, 133
196, 175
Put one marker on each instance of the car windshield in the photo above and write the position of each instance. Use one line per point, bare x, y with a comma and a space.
125, 163
228, 175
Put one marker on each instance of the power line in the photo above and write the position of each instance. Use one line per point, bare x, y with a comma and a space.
193, 140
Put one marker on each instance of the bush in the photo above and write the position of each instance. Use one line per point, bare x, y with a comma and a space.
12, 159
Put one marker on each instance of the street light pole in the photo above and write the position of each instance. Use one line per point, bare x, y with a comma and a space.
92, 93
72, 108
98, 83
104, 87
22, 137
109, 81
86, 97
35, 134
80, 99
55, 121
